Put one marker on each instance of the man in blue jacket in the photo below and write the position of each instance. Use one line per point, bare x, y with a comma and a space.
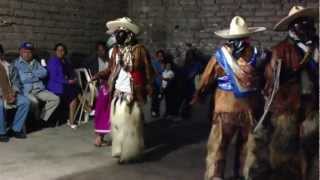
31, 75
11, 97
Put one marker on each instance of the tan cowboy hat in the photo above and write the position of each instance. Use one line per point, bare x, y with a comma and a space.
238, 29
294, 13
123, 22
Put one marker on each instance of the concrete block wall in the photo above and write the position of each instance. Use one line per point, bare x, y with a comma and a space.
77, 23
170, 24
167, 24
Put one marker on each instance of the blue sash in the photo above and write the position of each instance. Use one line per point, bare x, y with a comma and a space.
229, 82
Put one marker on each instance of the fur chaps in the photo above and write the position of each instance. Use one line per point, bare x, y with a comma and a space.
127, 130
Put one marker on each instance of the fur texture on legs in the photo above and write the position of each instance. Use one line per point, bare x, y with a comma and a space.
127, 130
285, 153
309, 141
257, 165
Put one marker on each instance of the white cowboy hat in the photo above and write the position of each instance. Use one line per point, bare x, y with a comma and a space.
238, 29
124, 22
294, 13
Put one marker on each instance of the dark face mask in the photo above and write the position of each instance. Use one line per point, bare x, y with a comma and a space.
121, 36
303, 28
237, 45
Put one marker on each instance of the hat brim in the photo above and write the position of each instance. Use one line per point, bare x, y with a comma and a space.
115, 25
283, 24
226, 33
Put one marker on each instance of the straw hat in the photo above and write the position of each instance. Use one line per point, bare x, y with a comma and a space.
238, 29
294, 13
123, 22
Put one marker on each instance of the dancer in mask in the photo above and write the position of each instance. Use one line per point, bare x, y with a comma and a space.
130, 77
234, 72
292, 135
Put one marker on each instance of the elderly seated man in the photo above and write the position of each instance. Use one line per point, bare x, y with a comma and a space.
32, 74
10, 97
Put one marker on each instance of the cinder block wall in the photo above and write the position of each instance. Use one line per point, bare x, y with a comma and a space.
77, 23
170, 24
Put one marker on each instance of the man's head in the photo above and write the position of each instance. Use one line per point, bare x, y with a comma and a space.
300, 22
124, 30
101, 49
25, 51
238, 45
303, 28
124, 36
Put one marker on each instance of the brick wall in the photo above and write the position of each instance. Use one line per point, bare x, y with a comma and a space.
77, 23
170, 24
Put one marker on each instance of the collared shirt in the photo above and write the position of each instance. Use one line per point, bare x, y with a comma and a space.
31, 75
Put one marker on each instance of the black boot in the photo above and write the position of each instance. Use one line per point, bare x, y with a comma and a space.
18, 135
4, 138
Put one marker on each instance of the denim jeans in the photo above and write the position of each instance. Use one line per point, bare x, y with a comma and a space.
21, 114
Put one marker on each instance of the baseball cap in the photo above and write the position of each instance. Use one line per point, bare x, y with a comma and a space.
26, 45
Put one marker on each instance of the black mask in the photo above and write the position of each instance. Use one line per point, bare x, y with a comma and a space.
121, 36
304, 28
237, 46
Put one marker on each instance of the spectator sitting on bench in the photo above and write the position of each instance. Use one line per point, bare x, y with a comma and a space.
10, 97
31, 74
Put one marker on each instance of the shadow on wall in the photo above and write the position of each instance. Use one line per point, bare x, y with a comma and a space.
11, 56
179, 55
78, 60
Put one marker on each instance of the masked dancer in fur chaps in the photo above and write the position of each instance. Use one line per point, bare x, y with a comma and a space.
234, 74
287, 145
130, 77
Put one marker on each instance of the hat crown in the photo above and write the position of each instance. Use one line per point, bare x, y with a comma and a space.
125, 19
295, 9
238, 26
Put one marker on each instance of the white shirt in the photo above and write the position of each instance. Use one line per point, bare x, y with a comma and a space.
123, 82
166, 74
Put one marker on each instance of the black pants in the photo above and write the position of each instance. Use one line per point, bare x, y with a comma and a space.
171, 102
155, 101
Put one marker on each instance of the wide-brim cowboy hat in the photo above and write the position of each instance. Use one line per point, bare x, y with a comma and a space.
124, 22
238, 29
294, 13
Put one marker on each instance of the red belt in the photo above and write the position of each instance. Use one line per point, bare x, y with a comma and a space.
137, 78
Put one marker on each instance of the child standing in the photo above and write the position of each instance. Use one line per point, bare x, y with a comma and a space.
166, 90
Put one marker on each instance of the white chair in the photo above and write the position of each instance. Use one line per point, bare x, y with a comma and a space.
88, 94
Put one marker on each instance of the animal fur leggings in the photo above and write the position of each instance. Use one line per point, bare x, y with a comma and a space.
127, 130
225, 127
274, 152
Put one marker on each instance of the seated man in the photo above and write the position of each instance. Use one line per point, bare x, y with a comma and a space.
10, 97
31, 75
